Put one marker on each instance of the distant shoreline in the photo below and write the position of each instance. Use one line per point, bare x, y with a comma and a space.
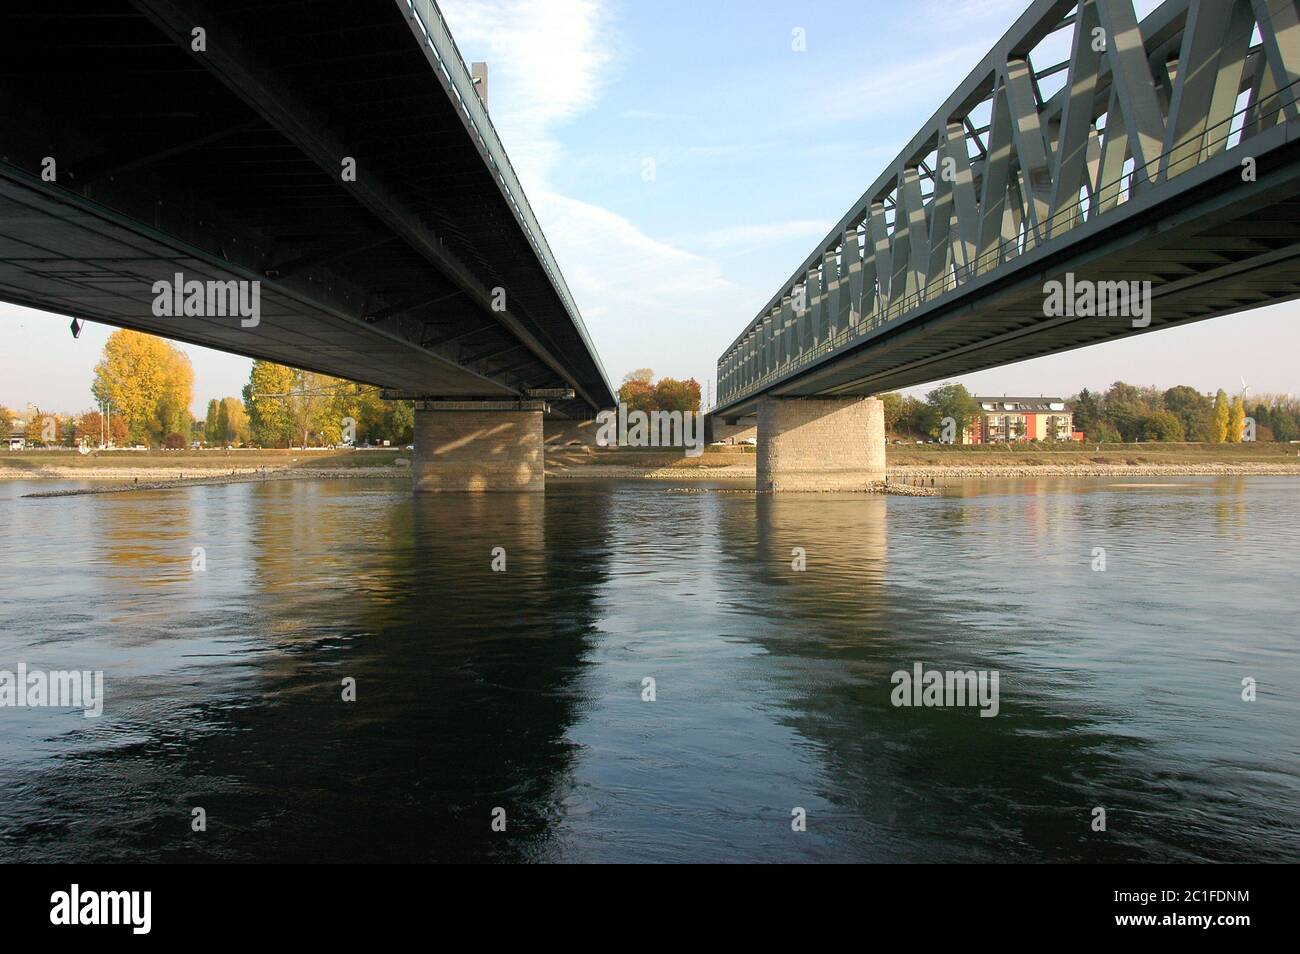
115, 471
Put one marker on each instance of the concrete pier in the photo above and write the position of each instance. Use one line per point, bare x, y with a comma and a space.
478, 446
820, 443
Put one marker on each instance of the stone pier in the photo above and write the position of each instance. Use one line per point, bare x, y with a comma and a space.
478, 446
820, 443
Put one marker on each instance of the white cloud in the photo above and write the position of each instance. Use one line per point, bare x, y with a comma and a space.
641, 298
547, 60
735, 238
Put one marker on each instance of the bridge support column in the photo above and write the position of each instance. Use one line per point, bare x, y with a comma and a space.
478, 446
815, 443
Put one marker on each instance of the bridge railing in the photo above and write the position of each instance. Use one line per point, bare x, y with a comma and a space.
1161, 93
1083, 209
461, 83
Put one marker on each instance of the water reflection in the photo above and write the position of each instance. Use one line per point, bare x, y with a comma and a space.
524, 689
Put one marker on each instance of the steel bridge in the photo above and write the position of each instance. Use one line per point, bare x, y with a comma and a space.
1159, 151
145, 138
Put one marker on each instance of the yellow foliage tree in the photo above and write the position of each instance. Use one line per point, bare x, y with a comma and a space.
236, 420
1220, 420
149, 382
1236, 420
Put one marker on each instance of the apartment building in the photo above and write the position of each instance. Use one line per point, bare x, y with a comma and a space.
1021, 419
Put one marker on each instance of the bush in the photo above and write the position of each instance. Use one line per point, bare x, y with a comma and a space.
174, 441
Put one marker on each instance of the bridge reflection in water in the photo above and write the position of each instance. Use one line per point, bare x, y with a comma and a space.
523, 689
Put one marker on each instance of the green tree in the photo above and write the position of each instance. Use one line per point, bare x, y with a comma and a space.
951, 400
893, 402
1127, 407
211, 436
1106, 433
1087, 412
1219, 434
1161, 426
171, 416
1193, 409
223, 424
918, 417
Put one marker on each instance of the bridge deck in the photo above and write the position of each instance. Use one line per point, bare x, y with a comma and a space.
227, 163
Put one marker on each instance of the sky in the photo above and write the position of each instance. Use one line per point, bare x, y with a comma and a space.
683, 158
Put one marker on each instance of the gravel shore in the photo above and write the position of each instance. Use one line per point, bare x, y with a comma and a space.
908, 471
1098, 470
118, 479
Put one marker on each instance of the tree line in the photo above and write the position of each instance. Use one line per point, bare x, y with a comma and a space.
640, 392
1122, 413
287, 407
145, 384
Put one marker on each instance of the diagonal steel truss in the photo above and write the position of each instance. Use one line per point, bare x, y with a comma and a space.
1001, 169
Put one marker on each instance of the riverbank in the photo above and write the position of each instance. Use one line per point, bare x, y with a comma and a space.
127, 470
119, 484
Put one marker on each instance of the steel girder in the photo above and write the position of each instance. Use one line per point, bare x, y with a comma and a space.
1142, 104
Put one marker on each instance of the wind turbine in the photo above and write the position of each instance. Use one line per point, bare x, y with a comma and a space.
1244, 388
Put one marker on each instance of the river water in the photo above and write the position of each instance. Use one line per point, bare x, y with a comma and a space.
520, 694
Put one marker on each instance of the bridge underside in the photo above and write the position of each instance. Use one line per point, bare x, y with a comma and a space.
228, 164
1221, 247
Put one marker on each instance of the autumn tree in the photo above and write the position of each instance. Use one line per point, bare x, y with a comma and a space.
640, 393
673, 395
89, 429
36, 431
148, 381
375, 419
266, 405
1236, 420
236, 420
285, 405
1219, 433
